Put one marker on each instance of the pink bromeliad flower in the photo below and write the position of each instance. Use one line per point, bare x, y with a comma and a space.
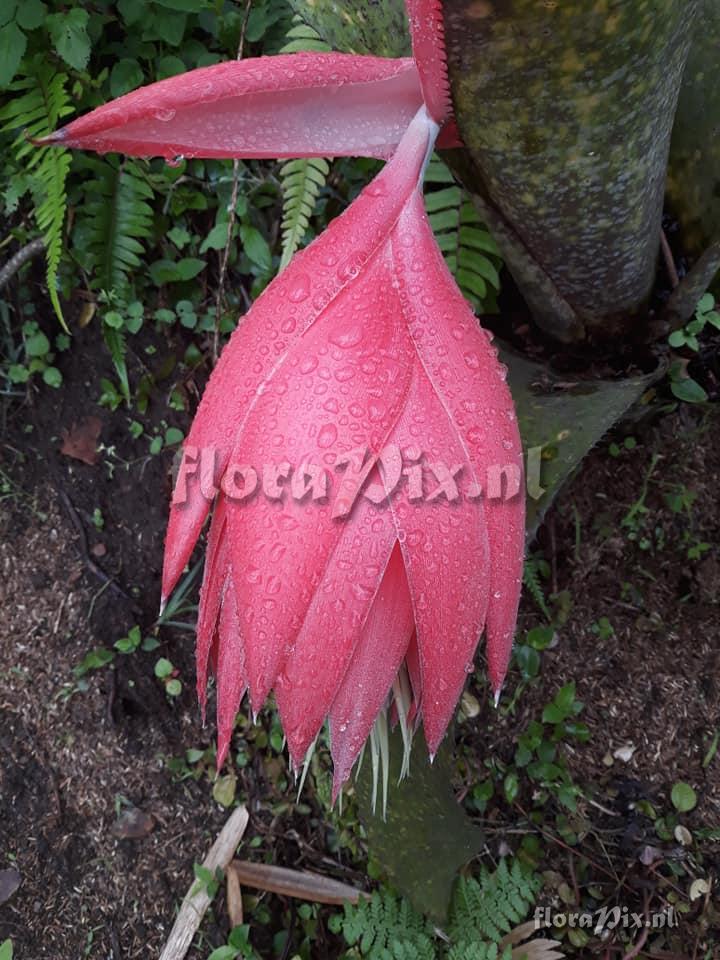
362, 354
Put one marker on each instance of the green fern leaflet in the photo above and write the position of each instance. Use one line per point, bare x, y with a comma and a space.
489, 907
302, 180
112, 222
469, 250
483, 912
388, 928
41, 104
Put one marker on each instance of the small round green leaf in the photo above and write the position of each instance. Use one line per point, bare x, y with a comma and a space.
683, 797
37, 345
52, 377
163, 668
125, 76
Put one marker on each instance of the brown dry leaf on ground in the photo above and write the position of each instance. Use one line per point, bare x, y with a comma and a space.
80, 441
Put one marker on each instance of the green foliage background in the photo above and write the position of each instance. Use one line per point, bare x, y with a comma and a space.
129, 225
120, 230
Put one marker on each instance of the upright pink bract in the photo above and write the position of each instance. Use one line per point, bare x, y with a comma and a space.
357, 437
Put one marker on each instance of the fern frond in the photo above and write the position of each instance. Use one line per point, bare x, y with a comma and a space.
115, 342
490, 906
50, 217
35, 113
302, 37
532, 570
483, 925
469, 250
301, 180
112, 222
388, 928
474, 950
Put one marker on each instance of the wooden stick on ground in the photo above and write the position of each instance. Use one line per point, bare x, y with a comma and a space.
233, 898
197, 900
295, 883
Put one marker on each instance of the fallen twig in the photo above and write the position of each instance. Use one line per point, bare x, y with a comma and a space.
232, 213
197, 899
233, 897
24, 254
295, 883
85, 553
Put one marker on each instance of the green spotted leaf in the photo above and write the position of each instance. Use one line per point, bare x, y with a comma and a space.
425, 837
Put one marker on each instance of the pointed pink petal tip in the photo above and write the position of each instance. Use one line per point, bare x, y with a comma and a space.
50, 139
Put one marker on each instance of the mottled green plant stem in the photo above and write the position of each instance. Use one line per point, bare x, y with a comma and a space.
566, 109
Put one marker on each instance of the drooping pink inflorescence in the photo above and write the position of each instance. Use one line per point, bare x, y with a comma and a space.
360, 365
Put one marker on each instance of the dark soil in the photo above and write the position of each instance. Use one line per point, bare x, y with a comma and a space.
75, 754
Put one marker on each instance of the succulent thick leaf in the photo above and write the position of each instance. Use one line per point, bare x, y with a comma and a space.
425, 837
290, 105
560, 420
694, 162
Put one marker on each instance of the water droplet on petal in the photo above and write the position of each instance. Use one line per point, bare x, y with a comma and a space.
299, 289
344, 374
308, 365
327, 436
349, 337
